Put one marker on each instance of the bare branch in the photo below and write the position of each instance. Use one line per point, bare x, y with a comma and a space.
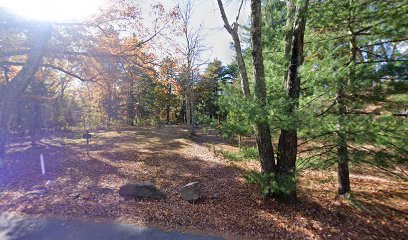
239, 11
70, 73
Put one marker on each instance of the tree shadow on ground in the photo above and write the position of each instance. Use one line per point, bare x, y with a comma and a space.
22, 167
229, 203
333, 220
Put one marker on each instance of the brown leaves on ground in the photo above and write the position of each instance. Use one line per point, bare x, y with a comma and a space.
78, 186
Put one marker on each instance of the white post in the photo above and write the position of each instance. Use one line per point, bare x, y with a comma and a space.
42, 164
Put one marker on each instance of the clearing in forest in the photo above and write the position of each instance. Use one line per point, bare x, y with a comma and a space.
86, 187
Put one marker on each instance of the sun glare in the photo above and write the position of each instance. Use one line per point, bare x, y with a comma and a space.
52, 10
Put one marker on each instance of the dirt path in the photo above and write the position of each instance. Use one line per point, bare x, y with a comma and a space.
81, 186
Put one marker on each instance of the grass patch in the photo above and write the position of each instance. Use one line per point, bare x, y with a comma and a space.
249, 152
245, 153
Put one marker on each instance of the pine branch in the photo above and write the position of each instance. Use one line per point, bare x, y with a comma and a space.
328, 109
308, 159
315, 137
314, 148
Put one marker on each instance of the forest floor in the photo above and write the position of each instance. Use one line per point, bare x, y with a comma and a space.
78, 186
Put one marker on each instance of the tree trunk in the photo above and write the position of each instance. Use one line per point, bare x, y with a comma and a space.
56, 112
36, 119
9, 93
286, 163
188, 117
59, 114
233, 31
265, 148
183, 114
241, 63
168, 114
343, 160
131, 105
264, 139
290, 22
192, 132
239, 141
342, 151
36, 122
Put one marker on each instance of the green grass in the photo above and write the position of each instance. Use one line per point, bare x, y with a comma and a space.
245, 153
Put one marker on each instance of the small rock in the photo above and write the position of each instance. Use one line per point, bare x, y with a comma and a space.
39, 191
74, 195
191, 192
141, 190
216, 196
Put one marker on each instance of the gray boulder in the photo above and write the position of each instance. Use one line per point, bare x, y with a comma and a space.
141, 190
191, 192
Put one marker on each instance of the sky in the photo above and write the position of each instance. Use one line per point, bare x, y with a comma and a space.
52, 10
205, 12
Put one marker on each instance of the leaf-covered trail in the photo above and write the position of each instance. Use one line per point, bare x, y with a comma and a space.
81, 186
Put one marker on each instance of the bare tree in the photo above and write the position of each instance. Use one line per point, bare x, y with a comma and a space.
232, 29
192, 49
